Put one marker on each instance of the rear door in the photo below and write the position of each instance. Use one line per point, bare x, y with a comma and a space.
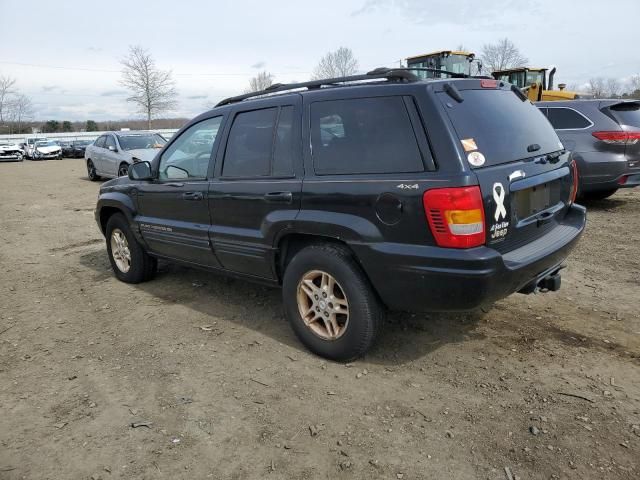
520, 163
96, 153
258, 184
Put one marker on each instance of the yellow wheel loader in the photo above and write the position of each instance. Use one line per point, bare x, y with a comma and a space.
533, 81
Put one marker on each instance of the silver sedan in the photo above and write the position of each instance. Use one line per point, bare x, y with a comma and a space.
112, 153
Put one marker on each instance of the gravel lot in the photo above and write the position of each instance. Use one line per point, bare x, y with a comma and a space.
541, 386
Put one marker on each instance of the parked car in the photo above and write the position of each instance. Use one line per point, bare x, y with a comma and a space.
78, 148
29, 145
604, 139
112, 153
45, 150
10, 152
65, 145
385, 193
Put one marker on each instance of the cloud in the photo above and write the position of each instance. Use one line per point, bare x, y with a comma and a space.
113, 93
50, 88
465, 12
259, 65
196, 97
94, 49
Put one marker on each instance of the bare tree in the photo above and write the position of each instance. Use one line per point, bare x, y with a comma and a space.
634, 84
502, 55
340, 63
596, 87
613, 87
19, 110
152, 90
260, 82
7, 89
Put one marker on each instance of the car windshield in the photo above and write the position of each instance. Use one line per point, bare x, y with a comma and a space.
47, 143
81, 143
145, 140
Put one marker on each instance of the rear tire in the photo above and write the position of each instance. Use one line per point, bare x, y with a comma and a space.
600, 194
129, 261
347, 299
91, 171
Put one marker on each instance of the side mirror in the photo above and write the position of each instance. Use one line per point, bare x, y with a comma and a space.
140, 171
112, 148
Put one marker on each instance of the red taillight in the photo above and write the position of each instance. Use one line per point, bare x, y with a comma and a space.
486, 83
574, 185
456, 216
623, 180
618, 138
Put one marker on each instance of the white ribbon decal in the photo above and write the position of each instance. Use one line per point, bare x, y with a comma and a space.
498, 196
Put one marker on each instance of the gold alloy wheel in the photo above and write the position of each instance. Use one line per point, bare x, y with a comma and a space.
120, 250
323, 305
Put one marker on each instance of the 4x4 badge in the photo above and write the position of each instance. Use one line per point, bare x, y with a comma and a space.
498, 196
404, 186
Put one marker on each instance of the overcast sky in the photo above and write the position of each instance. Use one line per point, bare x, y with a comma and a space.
214, 47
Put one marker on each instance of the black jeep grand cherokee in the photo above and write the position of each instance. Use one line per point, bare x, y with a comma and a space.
355, 195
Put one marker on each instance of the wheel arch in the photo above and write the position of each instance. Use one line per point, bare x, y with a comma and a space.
111, 203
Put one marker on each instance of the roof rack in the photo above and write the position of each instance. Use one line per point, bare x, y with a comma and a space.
391, 74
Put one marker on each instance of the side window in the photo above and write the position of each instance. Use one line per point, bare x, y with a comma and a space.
189, 155
565, 118
363, 135
110, 142
250, 143
283, 150
100, 141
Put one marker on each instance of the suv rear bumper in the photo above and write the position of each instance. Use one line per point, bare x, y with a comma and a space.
425, 278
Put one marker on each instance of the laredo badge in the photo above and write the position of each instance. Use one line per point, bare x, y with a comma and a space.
499, 229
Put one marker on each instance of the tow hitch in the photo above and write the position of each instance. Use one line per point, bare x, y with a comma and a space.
550, 283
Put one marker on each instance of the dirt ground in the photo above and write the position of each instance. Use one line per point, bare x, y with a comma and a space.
538, 387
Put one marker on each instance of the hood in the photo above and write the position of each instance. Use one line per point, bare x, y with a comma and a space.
10, 147
145, 154
53, 148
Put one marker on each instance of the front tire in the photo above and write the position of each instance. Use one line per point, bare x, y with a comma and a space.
129, 261
123, 170
330, 303
91, 171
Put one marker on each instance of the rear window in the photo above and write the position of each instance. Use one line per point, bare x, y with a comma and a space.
500, 125
626, 113
363, 135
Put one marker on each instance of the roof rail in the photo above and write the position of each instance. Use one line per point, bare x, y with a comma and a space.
391, 74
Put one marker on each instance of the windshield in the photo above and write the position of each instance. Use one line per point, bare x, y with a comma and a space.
501, 125
46, 143
81, 143
452, 63
146, 140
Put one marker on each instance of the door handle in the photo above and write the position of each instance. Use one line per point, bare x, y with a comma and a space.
192, 196
279, 197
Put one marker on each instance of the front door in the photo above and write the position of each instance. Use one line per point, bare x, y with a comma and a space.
173, 211
258, 184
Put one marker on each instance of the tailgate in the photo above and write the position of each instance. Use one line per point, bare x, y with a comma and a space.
520, 163
524, 200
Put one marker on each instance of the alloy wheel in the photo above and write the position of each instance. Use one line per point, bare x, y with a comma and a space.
120, 250
323, 305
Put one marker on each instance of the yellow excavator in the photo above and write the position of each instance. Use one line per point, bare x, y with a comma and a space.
454, 61
533, 81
